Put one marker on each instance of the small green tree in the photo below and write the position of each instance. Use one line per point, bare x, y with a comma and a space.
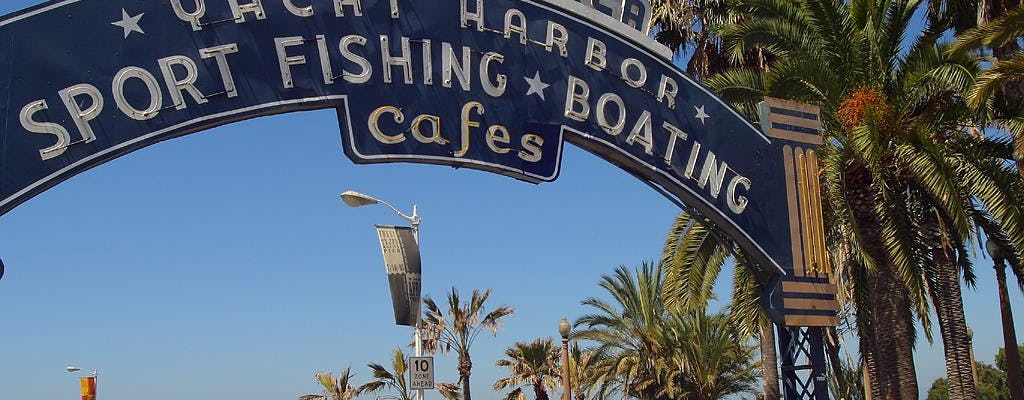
939, 390
1001, 357
991, 381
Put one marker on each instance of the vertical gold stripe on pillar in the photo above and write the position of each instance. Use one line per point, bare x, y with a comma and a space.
819, 223
809, 232
794, 210
805, 201
812, 266
813, 218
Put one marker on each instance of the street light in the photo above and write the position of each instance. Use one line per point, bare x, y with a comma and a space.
565, 329
1013, 375
72, 369
356, 199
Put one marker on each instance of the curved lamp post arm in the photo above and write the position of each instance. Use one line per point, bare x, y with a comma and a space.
414, 219
356, 199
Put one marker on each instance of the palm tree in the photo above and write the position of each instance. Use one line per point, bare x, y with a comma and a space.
994, 25
692, 259
395, 381
988, 98
711, 359
535, 364
896, 153
654, 353
997, 94
457, 329
339, 388
684, 26
583, 364
628, 332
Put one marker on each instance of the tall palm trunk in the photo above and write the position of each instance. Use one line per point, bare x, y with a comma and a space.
769, 361
888, 350
539, 393
885, 322
465, 368
949, 308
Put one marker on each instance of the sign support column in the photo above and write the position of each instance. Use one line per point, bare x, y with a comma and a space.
803, 302
417, 335
402, 262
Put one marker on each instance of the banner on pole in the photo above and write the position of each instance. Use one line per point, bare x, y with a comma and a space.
88, 387
402, 263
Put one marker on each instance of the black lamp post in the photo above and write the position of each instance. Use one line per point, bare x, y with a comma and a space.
1013, 378
565, 329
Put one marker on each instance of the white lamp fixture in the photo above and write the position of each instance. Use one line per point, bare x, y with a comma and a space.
356, 199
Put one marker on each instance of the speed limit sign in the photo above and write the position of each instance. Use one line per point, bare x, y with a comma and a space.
421, 373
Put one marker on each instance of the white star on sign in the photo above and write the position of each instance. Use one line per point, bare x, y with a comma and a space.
129, 23
702, 115
537, 86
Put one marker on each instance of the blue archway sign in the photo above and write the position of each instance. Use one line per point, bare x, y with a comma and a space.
497, 85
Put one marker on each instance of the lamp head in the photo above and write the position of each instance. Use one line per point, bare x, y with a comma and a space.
356, 199
72, 369
995, 250
564, 328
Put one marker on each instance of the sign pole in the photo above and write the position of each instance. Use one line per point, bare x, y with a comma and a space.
417, 334
419, 353
405, 293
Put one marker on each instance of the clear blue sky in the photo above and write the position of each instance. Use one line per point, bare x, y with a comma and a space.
223, 264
